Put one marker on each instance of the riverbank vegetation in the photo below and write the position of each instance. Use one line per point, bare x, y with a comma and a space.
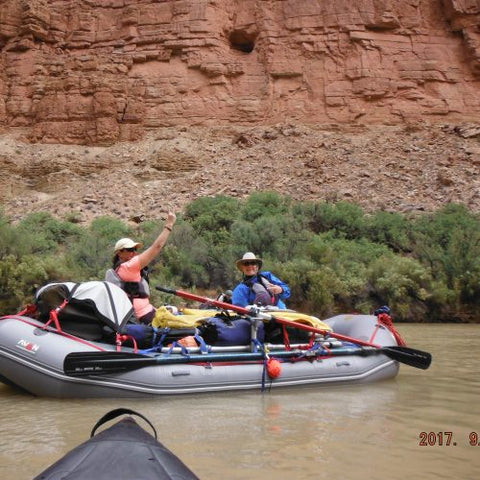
336, 257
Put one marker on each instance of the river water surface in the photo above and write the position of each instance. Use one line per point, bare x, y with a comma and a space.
421, 425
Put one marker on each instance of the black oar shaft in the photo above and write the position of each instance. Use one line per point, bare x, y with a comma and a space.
78, 364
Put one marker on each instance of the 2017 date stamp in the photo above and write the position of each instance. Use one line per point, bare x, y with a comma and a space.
447, 439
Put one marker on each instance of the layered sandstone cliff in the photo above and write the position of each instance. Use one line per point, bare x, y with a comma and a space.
101, 71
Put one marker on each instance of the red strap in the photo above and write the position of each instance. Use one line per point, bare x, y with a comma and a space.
374, 334
310, 344
29, 310
123, 338
286, 338
54, 316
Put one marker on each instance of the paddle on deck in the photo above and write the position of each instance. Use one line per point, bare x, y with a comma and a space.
409, 356
81, 364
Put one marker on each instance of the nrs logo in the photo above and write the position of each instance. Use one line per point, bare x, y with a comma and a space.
29, 346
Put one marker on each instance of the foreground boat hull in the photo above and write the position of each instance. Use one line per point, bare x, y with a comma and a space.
31, 358
131, 451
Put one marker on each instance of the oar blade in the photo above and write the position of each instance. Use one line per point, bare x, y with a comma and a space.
409, 356
80, 364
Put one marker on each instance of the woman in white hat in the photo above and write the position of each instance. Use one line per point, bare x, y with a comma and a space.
261, 288
130, 270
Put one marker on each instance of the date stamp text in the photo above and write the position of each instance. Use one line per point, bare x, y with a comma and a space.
447, 439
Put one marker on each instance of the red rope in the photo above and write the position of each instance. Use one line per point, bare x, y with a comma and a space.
386, 319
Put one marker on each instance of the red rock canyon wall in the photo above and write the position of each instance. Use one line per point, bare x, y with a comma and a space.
102, 71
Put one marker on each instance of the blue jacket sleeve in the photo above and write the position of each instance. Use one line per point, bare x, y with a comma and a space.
240, 295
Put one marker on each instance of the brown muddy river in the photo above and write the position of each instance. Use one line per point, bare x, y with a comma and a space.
424, 424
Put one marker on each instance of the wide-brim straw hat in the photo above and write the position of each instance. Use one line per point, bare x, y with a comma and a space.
249, 257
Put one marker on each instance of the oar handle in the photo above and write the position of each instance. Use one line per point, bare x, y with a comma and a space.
210, 301
166, 289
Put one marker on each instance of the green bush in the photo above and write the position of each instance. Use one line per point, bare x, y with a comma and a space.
187, 257
448, 242
402, 283
41, 232
212, 217
265, 204
390, 229
21, 277
347, 263
335, 257
343, 218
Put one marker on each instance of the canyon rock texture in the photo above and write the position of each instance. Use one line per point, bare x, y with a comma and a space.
102, 72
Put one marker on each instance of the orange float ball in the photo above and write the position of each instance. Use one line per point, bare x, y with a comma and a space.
274, 368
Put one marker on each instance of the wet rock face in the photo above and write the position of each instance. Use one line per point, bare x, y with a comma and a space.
96, 72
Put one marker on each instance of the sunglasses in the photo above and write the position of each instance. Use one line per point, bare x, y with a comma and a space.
249, 264
132, 249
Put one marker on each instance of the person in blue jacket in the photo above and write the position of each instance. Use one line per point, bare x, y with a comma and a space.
258, 288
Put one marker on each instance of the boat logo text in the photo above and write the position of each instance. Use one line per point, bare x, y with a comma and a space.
29, 346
